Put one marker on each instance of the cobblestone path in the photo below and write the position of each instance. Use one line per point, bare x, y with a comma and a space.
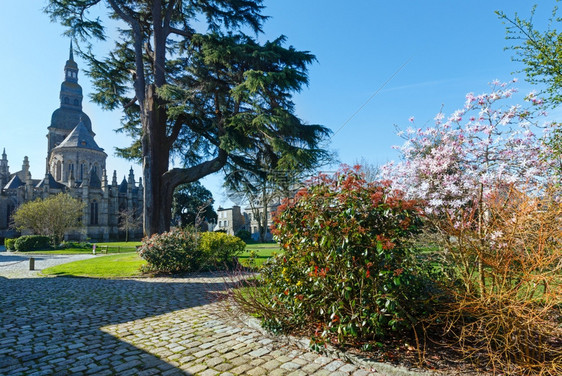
163, 326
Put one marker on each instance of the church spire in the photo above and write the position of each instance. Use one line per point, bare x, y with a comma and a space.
71, 53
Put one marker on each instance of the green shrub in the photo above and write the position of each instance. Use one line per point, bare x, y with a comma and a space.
32, 243
173, 251
9, 243
244, 235
81, 245
348, 269
220, 249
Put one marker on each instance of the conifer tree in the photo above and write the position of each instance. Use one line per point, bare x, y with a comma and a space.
193, 87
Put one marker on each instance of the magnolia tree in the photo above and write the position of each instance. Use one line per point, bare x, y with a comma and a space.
460, 163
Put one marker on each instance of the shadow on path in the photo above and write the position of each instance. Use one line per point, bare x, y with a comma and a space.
53, 324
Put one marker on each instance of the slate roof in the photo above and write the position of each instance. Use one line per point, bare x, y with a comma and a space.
14, 183
52, 182
123, 186
80, 137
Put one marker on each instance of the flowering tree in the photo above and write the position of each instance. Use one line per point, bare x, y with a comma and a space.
459, 163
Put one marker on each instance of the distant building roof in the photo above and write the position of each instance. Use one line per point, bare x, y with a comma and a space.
123, 186
52, 182
14, 183
80, 137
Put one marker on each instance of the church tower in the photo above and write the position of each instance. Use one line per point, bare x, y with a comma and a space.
69, 114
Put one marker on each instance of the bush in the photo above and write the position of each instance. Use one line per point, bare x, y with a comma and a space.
80, 245
32, 243
173, 251
9, 243
347, 269
220, 249
244, 235
513, 322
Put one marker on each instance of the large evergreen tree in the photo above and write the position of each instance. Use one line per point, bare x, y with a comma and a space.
210, 98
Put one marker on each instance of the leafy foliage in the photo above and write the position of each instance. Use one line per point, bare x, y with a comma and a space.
539, 50
32, 243
244, 235
51, 217
173, 251
192, 204
9, 243
219, 250
187, 250
347, 269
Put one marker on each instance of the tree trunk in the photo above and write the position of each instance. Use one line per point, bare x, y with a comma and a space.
155, 163
263, 232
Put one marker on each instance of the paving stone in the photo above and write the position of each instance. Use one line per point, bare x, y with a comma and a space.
223, 367
214, 361
348, 368
297, 373
258, 371
149, 326
290, 366
332, 366
209, 372
361, 372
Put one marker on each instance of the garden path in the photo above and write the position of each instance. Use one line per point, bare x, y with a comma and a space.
150, 326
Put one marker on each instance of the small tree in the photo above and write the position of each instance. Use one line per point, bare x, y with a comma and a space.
456, 165
52, 216
192, 204
129, 219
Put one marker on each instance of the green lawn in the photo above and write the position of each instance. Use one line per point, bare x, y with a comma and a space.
110, 266
127, 264
263, 251
108, 247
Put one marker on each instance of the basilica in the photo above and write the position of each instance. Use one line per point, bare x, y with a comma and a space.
75, 165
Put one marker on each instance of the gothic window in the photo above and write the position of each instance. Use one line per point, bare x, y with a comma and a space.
94, 213
58, 171
9, 211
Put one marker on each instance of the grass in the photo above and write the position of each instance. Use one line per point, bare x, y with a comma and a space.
108, 247
127, 264
262, 251
110, 266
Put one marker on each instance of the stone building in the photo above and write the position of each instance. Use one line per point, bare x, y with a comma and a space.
75, 164
231, 220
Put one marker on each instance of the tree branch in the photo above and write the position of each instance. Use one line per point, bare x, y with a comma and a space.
176, 176
184, 33
139, 83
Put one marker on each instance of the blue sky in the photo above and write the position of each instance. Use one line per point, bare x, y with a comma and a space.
449, 48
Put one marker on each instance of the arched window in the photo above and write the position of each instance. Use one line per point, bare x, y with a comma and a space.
82, 171
58, 171
9, 211
76, 102
66, 100
94, 212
